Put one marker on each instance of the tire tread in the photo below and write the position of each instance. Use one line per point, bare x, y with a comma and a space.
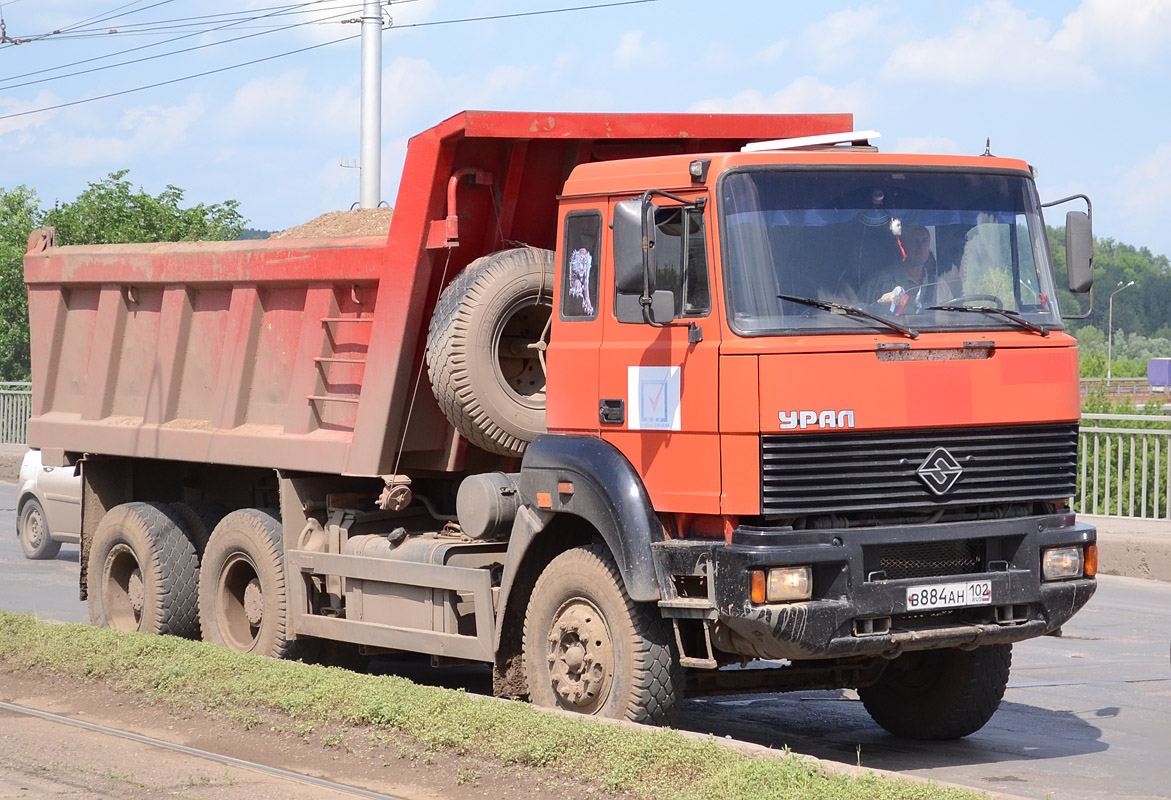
657, 680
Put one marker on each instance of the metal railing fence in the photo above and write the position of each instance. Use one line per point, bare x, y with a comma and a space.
1116, 385
1124, 466
16, 406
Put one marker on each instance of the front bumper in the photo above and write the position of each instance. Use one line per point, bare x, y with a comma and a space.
858, 610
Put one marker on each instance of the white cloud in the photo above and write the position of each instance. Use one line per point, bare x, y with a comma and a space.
1145, 189
926, 144
27, 122
804, 95
772, 53
832, 38
147, 131
995, 42
1129, 30
286, 101
633, 50
409, 85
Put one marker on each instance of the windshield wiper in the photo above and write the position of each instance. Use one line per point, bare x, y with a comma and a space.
1012, 316
852, 311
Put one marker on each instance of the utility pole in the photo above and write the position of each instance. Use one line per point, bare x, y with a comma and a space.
371, 154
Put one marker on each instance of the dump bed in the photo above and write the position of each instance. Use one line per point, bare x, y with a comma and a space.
305, 354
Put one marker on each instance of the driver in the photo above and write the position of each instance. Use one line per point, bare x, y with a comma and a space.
911, 275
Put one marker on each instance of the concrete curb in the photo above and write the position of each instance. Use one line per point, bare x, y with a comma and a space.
1133, 548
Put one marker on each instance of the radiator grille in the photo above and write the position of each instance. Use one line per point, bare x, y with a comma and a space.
931, 559
878, 470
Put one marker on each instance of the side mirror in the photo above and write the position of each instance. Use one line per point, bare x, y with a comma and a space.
662, 308
1079, 251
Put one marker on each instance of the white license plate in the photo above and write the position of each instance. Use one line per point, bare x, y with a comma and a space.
949, 595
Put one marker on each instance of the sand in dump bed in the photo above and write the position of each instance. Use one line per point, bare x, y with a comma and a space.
340, 224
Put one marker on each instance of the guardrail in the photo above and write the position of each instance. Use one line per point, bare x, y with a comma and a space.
16, 406
1124, 466
1117, 385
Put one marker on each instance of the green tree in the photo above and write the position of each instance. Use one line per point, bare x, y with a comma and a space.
108, 212
113, 212
20, 212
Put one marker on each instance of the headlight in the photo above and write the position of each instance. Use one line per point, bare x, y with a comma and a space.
1062, 562
781, 584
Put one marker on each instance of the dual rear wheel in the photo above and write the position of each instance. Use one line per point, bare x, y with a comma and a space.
189, 570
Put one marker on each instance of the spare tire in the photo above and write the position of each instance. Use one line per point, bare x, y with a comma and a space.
485, 349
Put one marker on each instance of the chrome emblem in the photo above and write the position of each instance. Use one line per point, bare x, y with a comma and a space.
939, 471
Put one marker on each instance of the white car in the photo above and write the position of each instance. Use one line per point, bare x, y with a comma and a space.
48, 507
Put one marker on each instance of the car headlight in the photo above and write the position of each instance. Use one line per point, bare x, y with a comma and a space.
781, 584
1063, 562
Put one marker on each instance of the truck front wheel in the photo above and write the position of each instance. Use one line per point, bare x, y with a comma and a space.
589, 648
143, 572
243, 599
939, 694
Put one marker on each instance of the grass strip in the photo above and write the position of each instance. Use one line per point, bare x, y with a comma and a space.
186, 675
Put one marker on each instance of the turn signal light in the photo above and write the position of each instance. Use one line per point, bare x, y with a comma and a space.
1091, 560
758, 584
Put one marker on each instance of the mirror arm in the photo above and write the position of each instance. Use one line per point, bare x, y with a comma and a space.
645, 300
1089, 205
1090, 214
1089, 308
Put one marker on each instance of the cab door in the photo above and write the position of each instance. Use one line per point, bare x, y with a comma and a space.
659, 385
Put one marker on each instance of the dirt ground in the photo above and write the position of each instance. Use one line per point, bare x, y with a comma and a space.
40, 758
340, 224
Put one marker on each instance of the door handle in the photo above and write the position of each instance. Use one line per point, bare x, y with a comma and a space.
612, 411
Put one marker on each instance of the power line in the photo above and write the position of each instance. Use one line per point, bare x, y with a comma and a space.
517, 14
162, 55
252, 62
234, 17
180, 80
104, 17
109, 15
179, 23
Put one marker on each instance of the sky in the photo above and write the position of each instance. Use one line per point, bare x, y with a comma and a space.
1079, 90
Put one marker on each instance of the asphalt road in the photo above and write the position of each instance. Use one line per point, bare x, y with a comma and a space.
1085, 716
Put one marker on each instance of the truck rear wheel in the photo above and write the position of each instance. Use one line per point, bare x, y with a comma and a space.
485, 349
939, 694
143, 573
589, 648
243, 598
199, 519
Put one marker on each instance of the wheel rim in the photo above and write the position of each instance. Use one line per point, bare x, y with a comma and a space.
123, 589
240, 603
581, 656
34, 527
520, 347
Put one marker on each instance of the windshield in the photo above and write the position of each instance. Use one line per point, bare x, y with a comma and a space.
901, 245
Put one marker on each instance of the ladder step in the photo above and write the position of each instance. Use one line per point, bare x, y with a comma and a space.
347, 319
324, 360
325, 399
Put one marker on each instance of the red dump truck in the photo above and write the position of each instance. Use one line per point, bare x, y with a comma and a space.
621, 404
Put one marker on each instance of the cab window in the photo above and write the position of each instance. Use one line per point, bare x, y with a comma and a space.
579, 282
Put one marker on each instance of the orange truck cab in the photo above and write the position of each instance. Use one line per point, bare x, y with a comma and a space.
850, 456
703, 389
